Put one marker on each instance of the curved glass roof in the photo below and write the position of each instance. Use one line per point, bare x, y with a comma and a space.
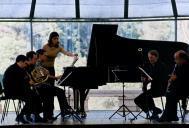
36, 9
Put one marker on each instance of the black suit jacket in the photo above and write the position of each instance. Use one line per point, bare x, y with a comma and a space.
15, 81
181, 85
159, 74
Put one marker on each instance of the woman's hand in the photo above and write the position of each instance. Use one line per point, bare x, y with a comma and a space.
58, 77
75, 56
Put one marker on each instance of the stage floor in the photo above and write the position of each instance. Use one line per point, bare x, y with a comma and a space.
96, 119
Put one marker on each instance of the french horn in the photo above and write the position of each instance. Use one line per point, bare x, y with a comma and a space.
40, 74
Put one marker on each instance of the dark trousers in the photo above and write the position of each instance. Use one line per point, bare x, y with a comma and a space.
47, 92
170, 106
172, 99
145, 100
32, 104
51, 97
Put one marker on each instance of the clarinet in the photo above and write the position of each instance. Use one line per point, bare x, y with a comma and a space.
170, 81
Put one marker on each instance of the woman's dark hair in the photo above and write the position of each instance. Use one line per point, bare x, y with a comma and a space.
53, 34
20, 58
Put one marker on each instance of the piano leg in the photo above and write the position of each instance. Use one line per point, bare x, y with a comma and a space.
83, 96
80, 96
76, 94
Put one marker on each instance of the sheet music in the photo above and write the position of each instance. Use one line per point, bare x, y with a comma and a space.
145, 73
61, 80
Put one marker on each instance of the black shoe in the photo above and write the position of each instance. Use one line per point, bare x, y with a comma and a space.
48, 120
83, 114
157, 111
154, 117
38, 118
28, 117
22, 119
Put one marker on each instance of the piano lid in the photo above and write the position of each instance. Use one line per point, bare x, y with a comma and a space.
108, 49
101, 37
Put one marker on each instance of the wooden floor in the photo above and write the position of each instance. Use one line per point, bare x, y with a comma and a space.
97, 119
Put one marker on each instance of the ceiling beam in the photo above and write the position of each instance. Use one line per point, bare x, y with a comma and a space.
77, 9
126, 9
174, 7
32, 10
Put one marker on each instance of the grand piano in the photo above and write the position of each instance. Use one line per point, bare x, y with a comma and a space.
109, 51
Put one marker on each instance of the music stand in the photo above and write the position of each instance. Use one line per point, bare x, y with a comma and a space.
123, 106
148, 113
72, 113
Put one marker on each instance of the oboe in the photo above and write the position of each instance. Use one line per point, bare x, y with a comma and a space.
170, 81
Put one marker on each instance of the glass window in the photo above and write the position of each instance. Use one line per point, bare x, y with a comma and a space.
101, 8
149, 30
182, 7
55, 9
183, 31
14, 40
150, 8
15, 8
74, 37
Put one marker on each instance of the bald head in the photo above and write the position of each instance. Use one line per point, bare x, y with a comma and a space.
181, 57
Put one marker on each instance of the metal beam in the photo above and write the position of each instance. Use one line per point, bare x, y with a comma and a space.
126, 9
137, 19
77, 9
32, 10
176, 30
174, 7
31, 35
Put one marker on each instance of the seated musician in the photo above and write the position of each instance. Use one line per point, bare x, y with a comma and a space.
178, 87
46, 91
16, 86
157, 70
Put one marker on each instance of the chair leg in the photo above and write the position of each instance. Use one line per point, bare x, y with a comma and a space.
180, 108
5, 108
19, 107
3, 113
15, 108
162, 103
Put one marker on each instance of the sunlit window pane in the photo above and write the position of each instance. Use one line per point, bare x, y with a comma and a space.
183, 33
157, 30
15, 8
182, 7
150, 8
14, 40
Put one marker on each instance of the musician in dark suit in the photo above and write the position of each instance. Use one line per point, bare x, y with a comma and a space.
158, 71
16, 86
178, 87
46, 90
